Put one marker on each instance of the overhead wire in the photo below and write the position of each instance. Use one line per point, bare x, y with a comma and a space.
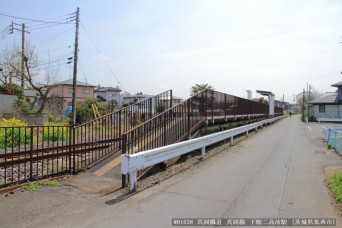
56, 49
43, 27
104, 60
45, 67
34, 20
55, 36
58, 59
82, 69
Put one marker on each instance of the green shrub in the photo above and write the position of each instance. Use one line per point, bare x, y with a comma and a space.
55, 132
15, 135
84, 111
335, 182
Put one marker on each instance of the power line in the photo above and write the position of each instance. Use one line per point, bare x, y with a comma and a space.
104, 60
59, 48
43, 26
58, 59
53, 37
34, 20
63, 20
82, 68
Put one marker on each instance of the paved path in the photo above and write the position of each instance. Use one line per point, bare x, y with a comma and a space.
276, 173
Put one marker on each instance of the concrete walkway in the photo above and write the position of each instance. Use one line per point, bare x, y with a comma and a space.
276, 173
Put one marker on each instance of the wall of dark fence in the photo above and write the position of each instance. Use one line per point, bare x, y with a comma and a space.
34, 152
30, 118
180, 121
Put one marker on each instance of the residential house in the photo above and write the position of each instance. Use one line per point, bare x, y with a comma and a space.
64, 90
130, 99
329, 105
165, 101
107, 94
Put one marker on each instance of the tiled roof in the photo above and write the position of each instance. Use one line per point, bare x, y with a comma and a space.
337, 84
104, 89
99, 98
70, 82
326, 99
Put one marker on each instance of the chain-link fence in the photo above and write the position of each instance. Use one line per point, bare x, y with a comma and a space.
335, 140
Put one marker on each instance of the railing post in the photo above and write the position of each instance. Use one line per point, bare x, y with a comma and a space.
120, 131
225, 107
232, 141
123, 176
165, 126
212, 106
133, 181
31, 153
73, 149
189, 110
236, 107
170, 98
70, 149
203, 152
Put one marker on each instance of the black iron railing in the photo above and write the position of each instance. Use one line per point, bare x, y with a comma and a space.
33, 152
181, 121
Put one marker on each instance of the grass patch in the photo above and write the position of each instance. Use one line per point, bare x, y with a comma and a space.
335, 183
329, 146
33, 186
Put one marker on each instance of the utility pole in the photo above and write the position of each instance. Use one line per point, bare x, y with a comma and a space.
22, 55
75, 68
23, 31
307, 104
303, 105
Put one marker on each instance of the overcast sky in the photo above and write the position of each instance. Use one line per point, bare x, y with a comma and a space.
155, 45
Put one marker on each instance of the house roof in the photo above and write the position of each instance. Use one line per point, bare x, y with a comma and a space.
104, 89
168, 98
99, 98
338, 84
265, 93
327, 98
78, 83
30, 93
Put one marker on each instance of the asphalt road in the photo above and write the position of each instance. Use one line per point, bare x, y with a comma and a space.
276, 173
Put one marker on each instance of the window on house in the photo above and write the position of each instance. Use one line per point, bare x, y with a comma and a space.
321, 108
70, 90
85, 91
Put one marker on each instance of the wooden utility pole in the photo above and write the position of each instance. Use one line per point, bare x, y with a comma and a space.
75, 68
22, 55
23, 31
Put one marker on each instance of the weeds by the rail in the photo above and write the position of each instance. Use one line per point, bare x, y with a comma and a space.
335, 183
33, 186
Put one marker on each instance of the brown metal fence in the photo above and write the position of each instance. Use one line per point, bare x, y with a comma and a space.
34, 152
179, 122
28, 153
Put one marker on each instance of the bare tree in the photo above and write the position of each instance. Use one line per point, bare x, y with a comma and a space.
8, 73
40, 79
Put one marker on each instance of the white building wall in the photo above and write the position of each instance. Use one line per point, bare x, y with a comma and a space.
6, 103
331, 111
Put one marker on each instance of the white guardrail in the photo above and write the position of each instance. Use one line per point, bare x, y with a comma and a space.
132, 163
